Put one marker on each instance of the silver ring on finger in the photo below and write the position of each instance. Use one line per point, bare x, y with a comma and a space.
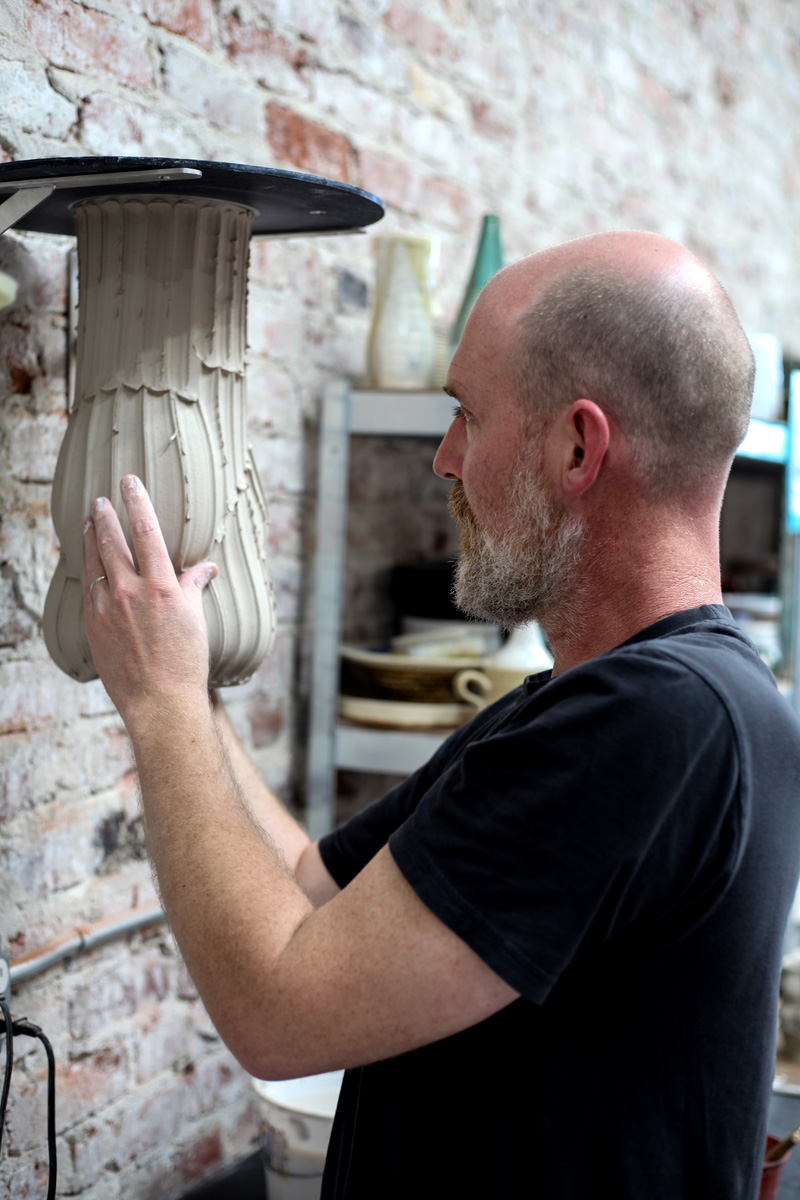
94, 581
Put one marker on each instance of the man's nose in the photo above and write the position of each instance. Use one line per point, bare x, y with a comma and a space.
447, 463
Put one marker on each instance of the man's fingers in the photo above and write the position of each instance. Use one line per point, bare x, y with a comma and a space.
92, 565
199, 576
148, 540
195, 580
105, 549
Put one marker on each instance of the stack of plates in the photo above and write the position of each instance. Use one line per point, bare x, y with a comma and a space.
396, 691
403, 714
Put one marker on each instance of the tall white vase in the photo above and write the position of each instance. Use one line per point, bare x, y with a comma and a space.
402, 345
160, 392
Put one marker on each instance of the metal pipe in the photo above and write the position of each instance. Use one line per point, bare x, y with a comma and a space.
81, 939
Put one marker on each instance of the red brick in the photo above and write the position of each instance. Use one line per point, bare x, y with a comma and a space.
309, 145
448, 204
81, 39
487, 121
193, 19
17, 358
197, 1162
392, 181
268, 58
417, 29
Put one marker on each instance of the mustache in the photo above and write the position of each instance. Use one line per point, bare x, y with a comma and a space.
459, 505
460, 511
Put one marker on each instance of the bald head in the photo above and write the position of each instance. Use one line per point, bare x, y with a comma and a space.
636, 323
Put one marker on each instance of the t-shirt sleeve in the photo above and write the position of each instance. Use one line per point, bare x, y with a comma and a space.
349, 848
605, 801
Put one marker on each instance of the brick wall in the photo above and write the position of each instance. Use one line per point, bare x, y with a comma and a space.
564, 117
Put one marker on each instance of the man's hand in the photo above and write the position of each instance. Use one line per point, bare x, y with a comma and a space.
146, 628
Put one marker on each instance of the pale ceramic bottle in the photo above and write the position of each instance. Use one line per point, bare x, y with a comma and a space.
402, 344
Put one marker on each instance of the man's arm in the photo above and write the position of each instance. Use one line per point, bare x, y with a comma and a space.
302, 856
291, 990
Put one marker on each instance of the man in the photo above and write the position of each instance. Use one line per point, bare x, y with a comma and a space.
551, 956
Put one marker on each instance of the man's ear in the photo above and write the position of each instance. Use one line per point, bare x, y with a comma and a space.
586, 435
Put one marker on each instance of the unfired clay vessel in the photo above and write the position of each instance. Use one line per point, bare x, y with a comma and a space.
160, 392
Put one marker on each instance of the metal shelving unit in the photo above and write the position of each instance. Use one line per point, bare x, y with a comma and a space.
346, 413
331, 743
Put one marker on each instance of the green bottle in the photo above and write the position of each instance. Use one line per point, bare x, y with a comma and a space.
488, 260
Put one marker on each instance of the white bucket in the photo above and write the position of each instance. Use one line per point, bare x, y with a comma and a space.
296, 1119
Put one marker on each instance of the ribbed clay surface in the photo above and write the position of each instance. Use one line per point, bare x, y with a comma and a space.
160, 393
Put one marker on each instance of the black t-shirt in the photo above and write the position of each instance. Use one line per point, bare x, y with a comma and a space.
621, 845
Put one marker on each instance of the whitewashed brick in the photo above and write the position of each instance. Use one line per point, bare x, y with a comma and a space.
34, 443
340, 346
216, 1080
213, 94
34, 693
438, 95
111, 125
90, 1083
88, 1153
349, 100
84, 39
430, 139
272, 398
16, 773
276, 330
117, 992
280, 462
27, 548
26, 1118
314, 21
31, 105
379, 61
39, 265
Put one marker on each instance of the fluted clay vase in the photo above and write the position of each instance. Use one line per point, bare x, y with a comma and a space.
160, 392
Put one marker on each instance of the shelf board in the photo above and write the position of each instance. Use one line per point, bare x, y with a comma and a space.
429, 413
767, 441
385, 751
401, 414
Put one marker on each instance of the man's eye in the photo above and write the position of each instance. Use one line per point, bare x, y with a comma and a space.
458, 411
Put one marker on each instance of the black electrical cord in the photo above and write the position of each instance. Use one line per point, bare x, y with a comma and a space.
9, 1035
23, 1026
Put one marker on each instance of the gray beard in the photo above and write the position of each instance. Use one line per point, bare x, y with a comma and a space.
528, 571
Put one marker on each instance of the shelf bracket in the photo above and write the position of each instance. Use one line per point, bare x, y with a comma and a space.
21, 203
28, 193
